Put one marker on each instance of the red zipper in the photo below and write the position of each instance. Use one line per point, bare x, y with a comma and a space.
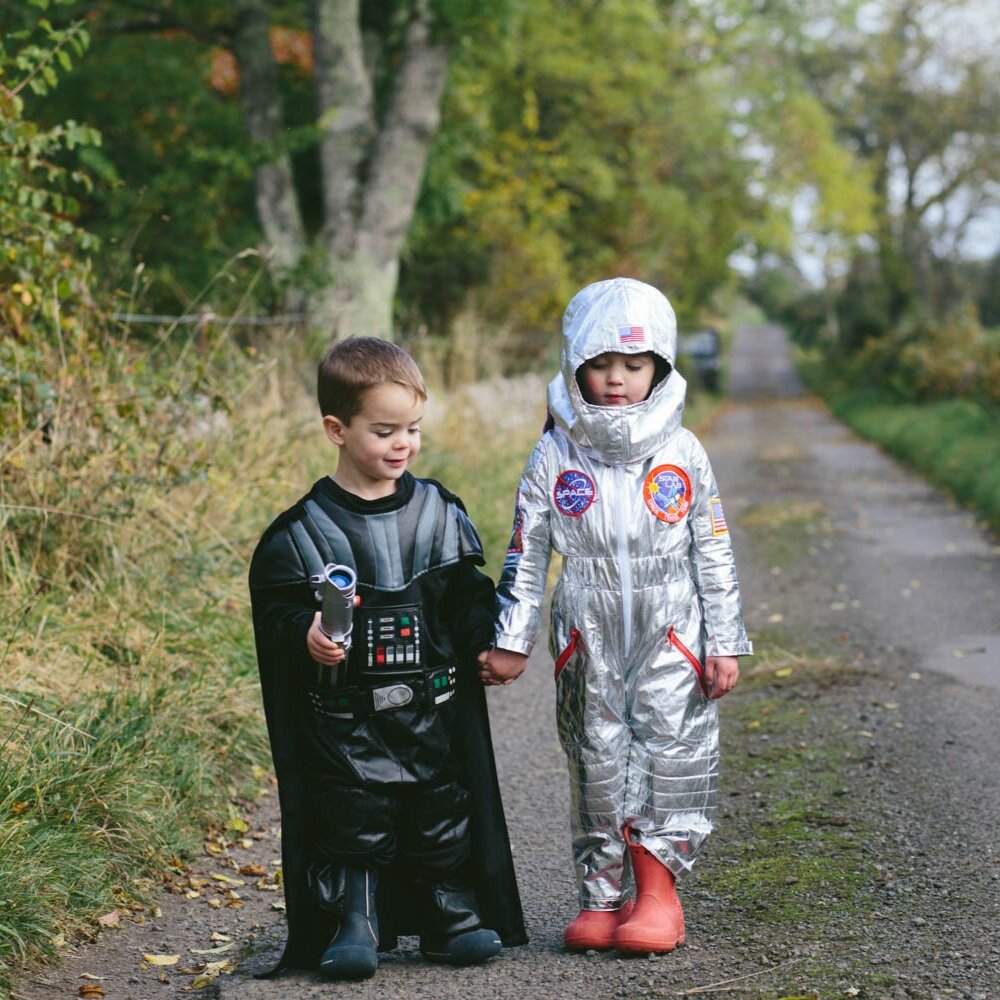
563, 659
689, 656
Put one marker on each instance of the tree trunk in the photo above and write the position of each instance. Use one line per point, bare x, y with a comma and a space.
344, 106
371, 173
359, 301
366, 225
277, 206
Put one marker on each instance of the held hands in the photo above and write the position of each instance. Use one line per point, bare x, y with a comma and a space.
321, 648
500, 666
721, 675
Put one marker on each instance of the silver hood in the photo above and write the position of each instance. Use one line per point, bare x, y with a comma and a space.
629, 317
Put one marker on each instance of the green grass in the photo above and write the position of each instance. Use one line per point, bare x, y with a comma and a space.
792, 846
955, 444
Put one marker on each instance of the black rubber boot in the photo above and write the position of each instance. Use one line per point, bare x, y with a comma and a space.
456, 935
353, 952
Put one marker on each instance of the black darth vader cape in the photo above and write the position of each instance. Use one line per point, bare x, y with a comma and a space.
433, 531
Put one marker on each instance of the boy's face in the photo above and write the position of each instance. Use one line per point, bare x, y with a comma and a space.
379, 442
614, 379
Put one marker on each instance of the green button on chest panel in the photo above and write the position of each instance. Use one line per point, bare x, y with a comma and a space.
393, 639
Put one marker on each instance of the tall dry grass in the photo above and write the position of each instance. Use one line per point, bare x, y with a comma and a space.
129, 710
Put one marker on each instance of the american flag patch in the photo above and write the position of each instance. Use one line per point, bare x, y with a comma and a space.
631, 335
719, 526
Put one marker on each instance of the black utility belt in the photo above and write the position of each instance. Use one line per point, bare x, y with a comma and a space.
427, 690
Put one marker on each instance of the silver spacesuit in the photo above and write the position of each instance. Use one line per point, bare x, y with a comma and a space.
648, 589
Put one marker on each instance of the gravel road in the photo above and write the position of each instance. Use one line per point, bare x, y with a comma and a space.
858, 846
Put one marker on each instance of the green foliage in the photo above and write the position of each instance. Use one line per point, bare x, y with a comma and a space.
577, 142
953, 442
928, 139
176, 190
921, 362
110, 789
172, 195
44, 252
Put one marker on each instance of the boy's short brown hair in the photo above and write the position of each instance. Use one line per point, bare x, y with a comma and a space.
350, 367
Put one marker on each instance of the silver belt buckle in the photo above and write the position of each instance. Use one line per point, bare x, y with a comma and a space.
393, 696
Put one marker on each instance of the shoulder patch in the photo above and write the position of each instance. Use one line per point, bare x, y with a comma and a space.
667, 493
516, 543
719, 526
573, 492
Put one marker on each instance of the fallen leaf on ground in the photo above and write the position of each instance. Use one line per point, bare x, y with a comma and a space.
228, 880
90, 990
162, 959
112, 919
205, 978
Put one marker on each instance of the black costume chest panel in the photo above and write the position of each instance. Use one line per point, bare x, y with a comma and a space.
388, 550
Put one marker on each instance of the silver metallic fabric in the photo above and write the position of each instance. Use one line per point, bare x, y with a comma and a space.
648, 589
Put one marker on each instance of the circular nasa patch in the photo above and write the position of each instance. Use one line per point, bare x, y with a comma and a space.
667, 492
574, 492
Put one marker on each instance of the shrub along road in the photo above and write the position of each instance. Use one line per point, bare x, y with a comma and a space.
857, 851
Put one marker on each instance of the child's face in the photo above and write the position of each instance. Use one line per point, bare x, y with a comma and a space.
614, 379
379, 442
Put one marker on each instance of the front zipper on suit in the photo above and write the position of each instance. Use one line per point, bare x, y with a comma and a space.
673, 640
624, 563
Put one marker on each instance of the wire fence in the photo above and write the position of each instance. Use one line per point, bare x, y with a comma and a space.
206, 317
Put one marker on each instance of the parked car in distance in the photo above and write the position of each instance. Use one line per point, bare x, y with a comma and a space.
700, 349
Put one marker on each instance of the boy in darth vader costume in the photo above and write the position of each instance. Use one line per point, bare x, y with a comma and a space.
391, 815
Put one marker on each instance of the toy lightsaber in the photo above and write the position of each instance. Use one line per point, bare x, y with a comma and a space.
337, 586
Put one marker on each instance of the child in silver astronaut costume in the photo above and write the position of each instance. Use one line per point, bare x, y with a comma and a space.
646, 616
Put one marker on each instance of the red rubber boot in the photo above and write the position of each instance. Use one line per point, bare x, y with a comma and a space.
657, 922
594, 929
